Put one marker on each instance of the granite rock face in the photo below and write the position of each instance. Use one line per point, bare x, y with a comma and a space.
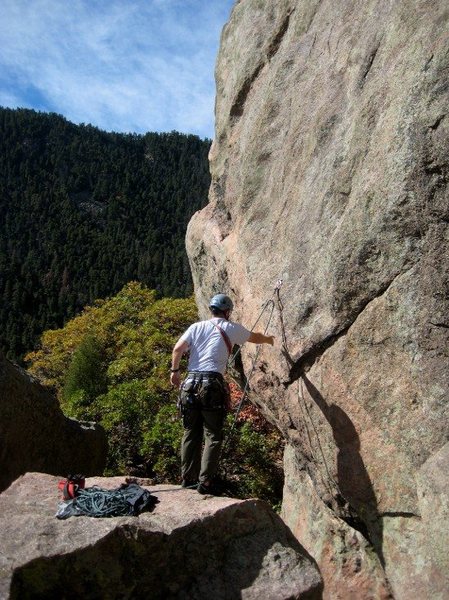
330, 170
190, 546
348, 564
36, 436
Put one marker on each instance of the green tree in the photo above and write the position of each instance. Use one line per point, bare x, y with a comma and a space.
84, 212
111, 364
86, 377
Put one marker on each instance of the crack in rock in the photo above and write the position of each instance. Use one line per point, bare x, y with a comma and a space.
404, 515
238, 105
369, 63
308, 359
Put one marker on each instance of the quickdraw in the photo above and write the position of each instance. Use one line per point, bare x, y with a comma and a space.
269, 304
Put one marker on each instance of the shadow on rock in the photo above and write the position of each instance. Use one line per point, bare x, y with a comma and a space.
353, 480
181, 566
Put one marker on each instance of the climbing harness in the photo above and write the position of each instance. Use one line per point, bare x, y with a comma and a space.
202, 390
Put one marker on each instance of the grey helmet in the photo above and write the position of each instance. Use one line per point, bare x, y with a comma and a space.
222, 302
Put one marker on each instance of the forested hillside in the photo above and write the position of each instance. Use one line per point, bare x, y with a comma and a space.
83, 211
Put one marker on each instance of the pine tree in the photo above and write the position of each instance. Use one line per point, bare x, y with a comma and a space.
86, 376
83, 212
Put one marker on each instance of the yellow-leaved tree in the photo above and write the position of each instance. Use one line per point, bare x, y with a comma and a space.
111, 364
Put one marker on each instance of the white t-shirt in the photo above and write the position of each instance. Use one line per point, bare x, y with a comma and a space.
208, 350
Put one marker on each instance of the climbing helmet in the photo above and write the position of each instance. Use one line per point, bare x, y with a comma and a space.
222, 302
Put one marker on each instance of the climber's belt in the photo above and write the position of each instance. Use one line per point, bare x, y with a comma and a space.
205, 375
203, 390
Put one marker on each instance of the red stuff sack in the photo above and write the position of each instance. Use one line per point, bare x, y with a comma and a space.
71, 485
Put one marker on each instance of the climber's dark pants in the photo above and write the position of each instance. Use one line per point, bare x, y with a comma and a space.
202, 401
195, 467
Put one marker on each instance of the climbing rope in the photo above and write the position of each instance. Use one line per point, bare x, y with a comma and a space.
330, 484
307, 416
269, 304
103, 503
280, 308
129, 499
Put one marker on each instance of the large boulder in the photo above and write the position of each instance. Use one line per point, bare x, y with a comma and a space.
36, 436
190, 546
330, 170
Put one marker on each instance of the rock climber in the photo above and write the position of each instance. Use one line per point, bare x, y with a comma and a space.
204, 392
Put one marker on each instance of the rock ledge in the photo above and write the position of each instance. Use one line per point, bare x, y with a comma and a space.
190, 546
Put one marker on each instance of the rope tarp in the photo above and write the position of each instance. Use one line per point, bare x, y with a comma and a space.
126, 500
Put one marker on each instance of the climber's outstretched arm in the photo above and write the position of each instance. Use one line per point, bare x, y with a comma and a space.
260, 338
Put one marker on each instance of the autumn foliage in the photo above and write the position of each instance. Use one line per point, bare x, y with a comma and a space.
248, 412
111, 364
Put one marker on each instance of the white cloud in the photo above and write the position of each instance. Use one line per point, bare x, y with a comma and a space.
137, 65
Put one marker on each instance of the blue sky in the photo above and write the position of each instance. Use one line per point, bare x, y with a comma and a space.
121, 65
